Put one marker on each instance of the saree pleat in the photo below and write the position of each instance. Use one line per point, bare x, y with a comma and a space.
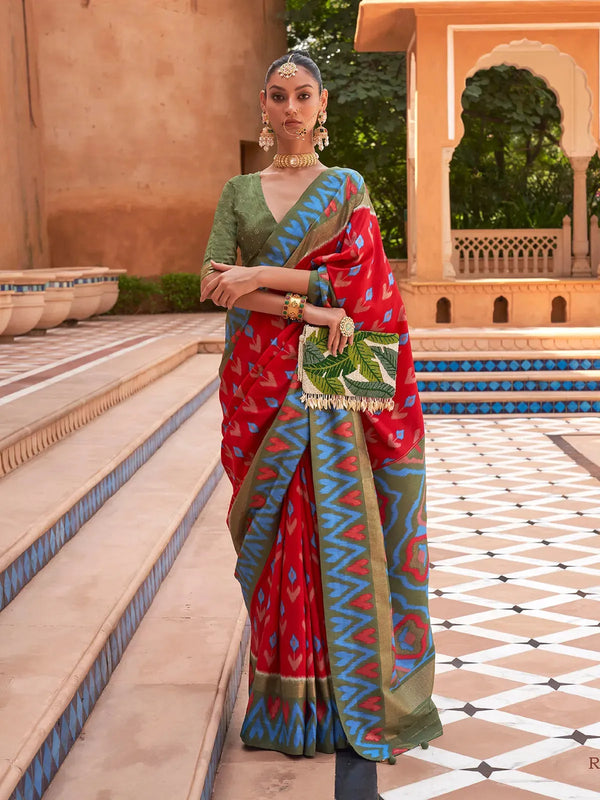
291, 701
328, 510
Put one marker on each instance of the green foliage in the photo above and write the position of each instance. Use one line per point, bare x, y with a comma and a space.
509, 170
137, 296
367, 106
593, 186
181, 291
177, 292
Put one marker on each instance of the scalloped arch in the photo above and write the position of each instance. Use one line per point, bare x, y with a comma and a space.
562, 74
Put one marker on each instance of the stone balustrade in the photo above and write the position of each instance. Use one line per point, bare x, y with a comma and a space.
44, 298
518, 253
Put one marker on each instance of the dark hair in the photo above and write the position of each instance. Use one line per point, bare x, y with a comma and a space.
300, 58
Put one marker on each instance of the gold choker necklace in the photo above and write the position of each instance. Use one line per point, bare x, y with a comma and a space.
295, 160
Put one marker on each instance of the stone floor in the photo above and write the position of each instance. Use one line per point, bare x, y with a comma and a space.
30, 361
514, 531
514, 510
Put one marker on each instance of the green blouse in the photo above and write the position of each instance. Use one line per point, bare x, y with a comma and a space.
242, 219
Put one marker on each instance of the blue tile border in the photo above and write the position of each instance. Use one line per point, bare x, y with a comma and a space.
488, 407
230, 698
61, 738
509, 384
520, 364
18, 574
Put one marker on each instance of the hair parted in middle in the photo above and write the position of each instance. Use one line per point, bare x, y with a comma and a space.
302, 59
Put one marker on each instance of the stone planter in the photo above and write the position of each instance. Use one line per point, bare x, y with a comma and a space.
6, 293
111, 289
88, 291
27, 302
59, 294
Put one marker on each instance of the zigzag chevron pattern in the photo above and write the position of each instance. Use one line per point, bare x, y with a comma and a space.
401, 485
331, 189
294, 725
262, 517
340, 649
369, 659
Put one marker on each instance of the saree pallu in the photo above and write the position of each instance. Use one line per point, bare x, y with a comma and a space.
328, 510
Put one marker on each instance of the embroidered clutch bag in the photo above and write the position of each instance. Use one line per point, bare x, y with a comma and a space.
362, 378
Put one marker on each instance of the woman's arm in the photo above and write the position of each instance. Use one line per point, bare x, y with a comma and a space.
271, 303
227, 283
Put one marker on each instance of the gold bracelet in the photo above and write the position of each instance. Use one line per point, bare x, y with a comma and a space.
293, 307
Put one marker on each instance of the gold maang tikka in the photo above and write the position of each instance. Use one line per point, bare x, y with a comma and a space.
288, 69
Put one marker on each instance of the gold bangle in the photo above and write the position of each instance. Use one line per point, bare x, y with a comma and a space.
347, 326
293, 307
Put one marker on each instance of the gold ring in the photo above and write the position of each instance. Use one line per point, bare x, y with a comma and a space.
347, 326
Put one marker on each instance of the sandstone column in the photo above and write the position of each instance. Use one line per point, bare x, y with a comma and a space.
411, 168
581, 245
447, 246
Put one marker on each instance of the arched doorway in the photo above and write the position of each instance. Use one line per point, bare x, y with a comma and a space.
511, 183
568, 82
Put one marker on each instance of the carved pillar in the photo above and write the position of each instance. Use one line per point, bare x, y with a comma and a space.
594, 246
447, 246
581, 245
411, 163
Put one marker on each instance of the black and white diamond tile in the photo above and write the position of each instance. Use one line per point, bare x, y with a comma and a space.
514, 534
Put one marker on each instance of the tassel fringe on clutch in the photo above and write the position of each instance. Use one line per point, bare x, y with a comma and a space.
337, 401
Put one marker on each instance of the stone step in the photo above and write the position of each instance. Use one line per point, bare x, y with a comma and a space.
468, 362
158, 729
568, 381
500, 403
65, 633
75, 477
34, 418
504, 338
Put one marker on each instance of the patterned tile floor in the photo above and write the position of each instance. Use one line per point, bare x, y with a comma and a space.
30, 360
514, 507
514, 531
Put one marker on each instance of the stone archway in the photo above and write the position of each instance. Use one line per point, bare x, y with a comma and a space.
569, 83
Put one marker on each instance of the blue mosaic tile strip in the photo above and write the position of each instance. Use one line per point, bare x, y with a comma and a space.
518, 407
510, 384
61, 738
505, 365
18, 574
230, 698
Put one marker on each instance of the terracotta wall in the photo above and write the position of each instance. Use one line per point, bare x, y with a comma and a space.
23, 241
146, 103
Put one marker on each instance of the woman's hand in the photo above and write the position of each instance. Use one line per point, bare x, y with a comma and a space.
330, 318
228, 283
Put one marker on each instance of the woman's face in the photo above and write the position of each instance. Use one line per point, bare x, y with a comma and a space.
293, 104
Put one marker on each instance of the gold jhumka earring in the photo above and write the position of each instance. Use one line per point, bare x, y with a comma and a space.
267, 135
320, 134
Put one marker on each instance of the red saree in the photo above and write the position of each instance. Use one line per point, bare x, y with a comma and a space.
328, 510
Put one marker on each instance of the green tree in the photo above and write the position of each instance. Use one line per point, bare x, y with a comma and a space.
367, 106
509, 170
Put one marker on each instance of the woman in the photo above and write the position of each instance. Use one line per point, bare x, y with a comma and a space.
328, 507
